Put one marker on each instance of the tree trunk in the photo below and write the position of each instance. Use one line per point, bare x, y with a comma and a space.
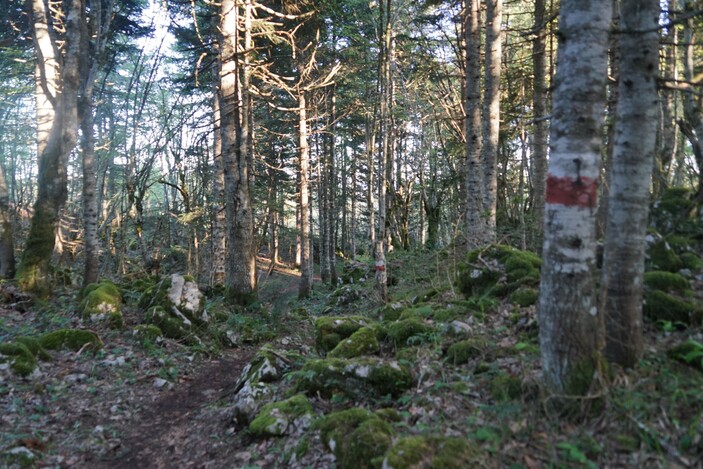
331, 219
219, 223
7, 248
633, 154
491, 116
33, 272
305, 287
475, 227
539, 106
91, 271
569, 326
241, 282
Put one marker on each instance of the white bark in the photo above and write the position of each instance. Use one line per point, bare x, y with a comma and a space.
570, 327
633, 155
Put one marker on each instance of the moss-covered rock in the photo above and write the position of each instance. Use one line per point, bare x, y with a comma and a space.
362, 342
666, 281
692, 261
71, 339
433, 452
22, 361
354, 377
675, 211
103, 301
404, 331
147, 332
661, 256
524, 296
281, 418
253, 387
355, 272
498, 270
34, 345
177, 295
330, 330
174, 326
461, 352
661, 306
357, 437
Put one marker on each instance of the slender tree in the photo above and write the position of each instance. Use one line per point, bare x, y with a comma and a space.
570, 327
633, 155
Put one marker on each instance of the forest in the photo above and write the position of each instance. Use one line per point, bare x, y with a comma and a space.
351, 233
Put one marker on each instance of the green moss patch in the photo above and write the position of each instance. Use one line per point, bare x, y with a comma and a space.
357, 437
661, 256
666, 281
354, 377
524, 296
331, 330
22, 361
408, 331
498, 270
463, 351
71, 339
661, 306
174, 327
362, 342
103, 301
280, 418
434, 452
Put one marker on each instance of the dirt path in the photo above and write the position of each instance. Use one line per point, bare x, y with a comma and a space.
182, 428
189, 425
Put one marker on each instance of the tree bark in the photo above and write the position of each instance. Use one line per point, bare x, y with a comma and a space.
305, 287
633, 155
539, 107
219, 223
33, 272
7, 248
241, 272
569, 324
491, 116
475, 232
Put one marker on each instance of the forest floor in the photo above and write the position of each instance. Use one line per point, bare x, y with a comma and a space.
136, 404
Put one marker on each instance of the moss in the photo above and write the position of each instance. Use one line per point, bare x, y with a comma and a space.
691, 261
401, 331
22, 360
71, 339
446, 315
171, 326
505, 387
663, 257
361, 342
354, 377
330, 330
579, 380
240, 298
434, 452
103, 301
689, 353
147, 332
391, 312
276, 418
661, 306
33, 271
498, 270
666, 281
524, 296
463, 351
357, 437
34, 346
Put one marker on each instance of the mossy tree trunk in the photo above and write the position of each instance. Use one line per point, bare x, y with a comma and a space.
633, 155
33, 272
570, 328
